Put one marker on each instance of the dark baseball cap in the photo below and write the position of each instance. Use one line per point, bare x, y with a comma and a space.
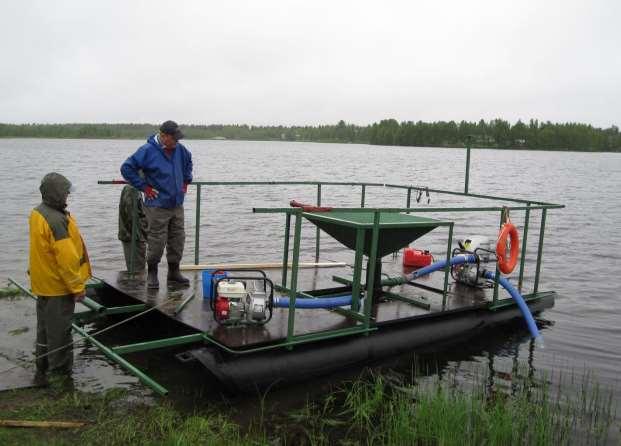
172, 128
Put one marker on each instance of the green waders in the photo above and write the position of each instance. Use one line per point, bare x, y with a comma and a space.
53, 332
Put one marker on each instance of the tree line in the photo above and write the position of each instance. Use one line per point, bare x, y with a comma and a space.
496, 133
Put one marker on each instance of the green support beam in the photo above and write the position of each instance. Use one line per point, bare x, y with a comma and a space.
317, 230
350, 314
417, 302
158, 343
467, 166
447, 269
297, 340
523, 256
368, 299
294, 276
509, 302
285, 256
355, 292
409, 198
362, 184
540, 250
143, 377
197, 227
125, 309
362, 195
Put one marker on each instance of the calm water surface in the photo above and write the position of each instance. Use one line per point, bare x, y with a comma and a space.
582, 252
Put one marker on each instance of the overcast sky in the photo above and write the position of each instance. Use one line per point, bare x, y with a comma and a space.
310, 62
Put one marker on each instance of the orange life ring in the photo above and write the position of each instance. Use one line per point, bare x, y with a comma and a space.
507, 265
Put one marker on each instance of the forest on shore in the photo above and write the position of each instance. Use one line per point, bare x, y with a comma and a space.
496, 133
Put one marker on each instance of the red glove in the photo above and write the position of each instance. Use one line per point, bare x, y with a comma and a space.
185, 188
150, 193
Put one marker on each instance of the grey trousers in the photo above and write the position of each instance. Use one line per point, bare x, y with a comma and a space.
54, 331
139, 256
166, 229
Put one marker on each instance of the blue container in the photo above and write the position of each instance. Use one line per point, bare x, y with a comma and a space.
209, 281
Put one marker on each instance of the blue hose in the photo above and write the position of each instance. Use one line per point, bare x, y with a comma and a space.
320, 302
341, 301
517, 297
519, 300
457, 260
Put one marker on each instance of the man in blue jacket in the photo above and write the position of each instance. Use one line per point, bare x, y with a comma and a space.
167, 168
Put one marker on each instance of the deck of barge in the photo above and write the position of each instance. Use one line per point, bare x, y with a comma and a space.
197, 315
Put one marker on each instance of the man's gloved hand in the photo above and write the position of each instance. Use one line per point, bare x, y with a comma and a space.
79, 297
185, 188
150, 193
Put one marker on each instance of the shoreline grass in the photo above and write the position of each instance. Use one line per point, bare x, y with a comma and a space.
370, 410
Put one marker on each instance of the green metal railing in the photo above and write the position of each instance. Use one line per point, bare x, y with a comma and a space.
521, 205
289, 280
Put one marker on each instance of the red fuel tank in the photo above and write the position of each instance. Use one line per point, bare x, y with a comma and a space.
416, 258
222, 308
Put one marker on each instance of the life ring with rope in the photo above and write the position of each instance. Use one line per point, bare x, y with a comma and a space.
506, 265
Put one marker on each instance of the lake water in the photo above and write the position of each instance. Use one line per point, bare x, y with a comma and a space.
582, 251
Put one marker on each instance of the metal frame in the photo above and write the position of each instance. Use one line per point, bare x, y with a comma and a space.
364, 323
528, 206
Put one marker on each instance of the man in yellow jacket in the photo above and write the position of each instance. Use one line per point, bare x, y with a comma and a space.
59, 269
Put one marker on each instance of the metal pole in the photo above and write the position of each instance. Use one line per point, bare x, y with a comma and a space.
91, 304
285, 255
157, 388
87, 301
294, 275
448, 266
355, 292
467, 165
317, 230
497, 273
158, 343
407, 204
524, 239
364, 188
197, 228
368, 301
183, 304
540, 250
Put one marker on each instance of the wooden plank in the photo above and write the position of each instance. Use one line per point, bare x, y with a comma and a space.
42, 424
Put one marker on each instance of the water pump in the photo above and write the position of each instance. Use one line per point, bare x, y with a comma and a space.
471, 273
243, 300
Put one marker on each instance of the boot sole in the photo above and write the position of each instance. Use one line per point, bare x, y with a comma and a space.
178, 283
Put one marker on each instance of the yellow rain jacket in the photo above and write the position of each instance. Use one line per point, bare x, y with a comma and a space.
59, 263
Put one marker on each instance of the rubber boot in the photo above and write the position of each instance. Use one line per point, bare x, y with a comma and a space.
174, 275
152, 280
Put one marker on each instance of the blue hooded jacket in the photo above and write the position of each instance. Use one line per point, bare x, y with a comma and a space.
164, 174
